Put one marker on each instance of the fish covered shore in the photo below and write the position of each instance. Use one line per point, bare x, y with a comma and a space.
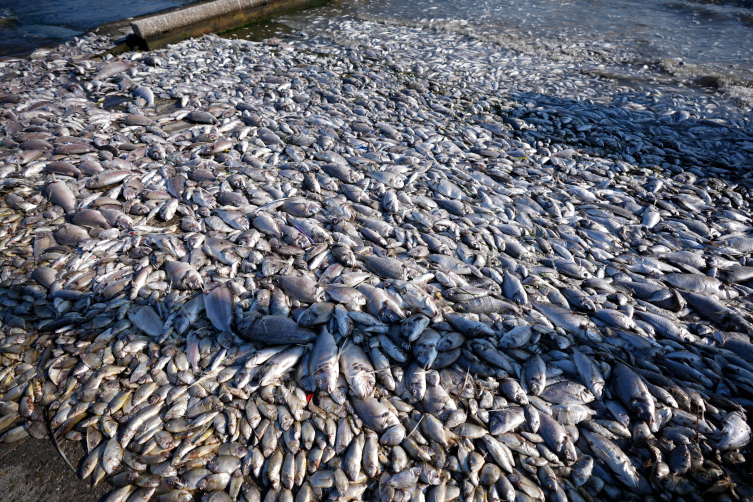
382, 263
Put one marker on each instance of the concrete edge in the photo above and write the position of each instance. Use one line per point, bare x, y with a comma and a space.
154, 26
212, 17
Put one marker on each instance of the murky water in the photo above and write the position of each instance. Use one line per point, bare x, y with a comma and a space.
27, 24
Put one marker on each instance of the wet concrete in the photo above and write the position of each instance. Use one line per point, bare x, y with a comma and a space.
31, 470
212, 17
119, 30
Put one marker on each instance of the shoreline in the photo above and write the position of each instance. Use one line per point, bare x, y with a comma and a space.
402, 143
665, 71
121, 32
117, 30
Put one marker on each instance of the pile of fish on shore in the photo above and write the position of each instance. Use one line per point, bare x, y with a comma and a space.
288, 275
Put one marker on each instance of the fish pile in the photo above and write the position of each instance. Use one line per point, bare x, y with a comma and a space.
252, 272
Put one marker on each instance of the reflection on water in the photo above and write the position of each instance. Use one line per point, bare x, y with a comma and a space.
25, 25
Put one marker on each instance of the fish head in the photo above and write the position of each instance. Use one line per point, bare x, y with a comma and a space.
537, 388
391, 313
496, 425
643, 411
579, 478
307, 319
318, 295
736, 323
568, 452
326, 380
629, 477
194, 281
586, 395
592, 334
597, 389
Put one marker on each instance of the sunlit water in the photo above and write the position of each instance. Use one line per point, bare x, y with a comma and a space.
705, 44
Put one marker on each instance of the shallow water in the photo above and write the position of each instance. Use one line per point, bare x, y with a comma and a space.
706, 44
718, 34
703, 42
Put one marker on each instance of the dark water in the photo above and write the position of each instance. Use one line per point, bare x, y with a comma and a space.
28, 24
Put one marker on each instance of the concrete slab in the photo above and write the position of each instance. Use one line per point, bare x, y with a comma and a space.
155, 26
211, 17
31, 470
121, 32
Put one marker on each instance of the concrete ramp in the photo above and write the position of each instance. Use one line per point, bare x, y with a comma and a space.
211, 17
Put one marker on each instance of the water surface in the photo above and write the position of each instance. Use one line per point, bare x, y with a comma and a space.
705, 42
702, 43
26, 25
